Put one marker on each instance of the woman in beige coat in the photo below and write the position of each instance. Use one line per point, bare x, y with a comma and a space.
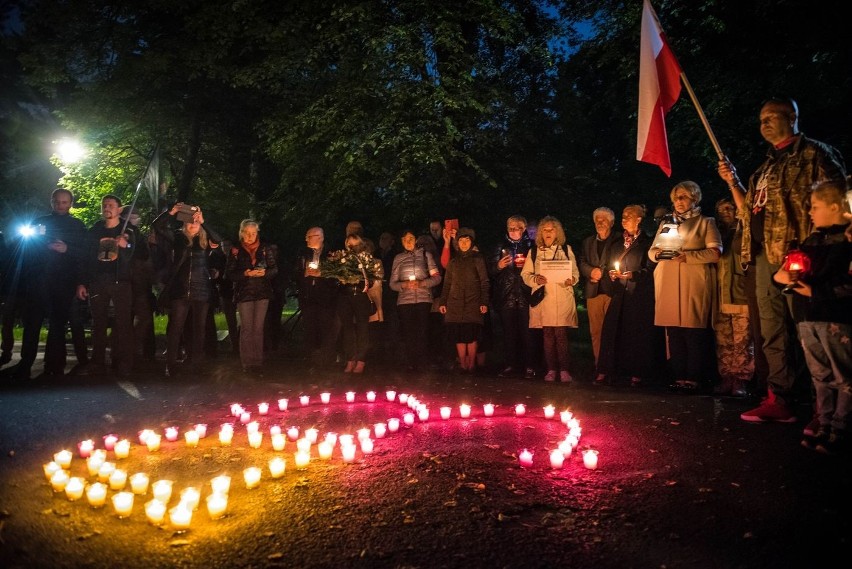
558, 311
685, 287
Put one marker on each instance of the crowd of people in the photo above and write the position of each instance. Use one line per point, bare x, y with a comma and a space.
738, 303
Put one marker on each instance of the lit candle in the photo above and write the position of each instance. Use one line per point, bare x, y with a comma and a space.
278, 441
245, 417
221, 484
325, 448
565, 416
367, 445
255, 439
590, 459
325, 398
464, 410
122, 503
408, 419
557, 459
293, 433
403, 398
617, 266
412, 402
346, 440
251, 475
162, 490
363, 434
180, 517
794, 266
302, 458
109, 441
236, 409
549, 411
525, 458
331, 438
348, 452
305, 400
226, 435
104, 472
350, 396
282, 404
96, 494
171, 434
139, 483
573, 423
201, 429
155, 511
252, 427
143, 435
190, 496
371, 396
85, 448
311, 434
74, 488
445, 413
63, 458
412, 278
488, 409
153, 442
118, 479
94, 463
191, 438
380, 430
122, 448
391, 395
275, 430
572, 440
393, 424
277, 466
313, 265
217, 505
565, 447
262, 408
520, 409
52, 468
423, 413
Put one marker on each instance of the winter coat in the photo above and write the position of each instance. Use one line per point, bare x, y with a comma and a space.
465, 288
591, 259
248, 289
509, 288
559, 307
314, 290
421, 265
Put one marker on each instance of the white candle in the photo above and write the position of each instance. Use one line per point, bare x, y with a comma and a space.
412, 278
565, 447
277, 466
245, 417
325, 398
325, 448
525, 458
282, 404
96, 494
143, 435
191, 438
104, 472
303, 445
109, 441
348, 452
180, 516
278, 441
311, 434
155, 511
391, 395
565, 416
236, 409
190, 496
293, 433
305, 400
557, 459
464, 410
262, 408
275, 430
403, 398
363, 434
221, 484
255, 439
331, 438
251, 476
301, 458
139, 483
350, 396
122, 503
520, 409
63, 458
252, 427
171, 434
572, 440
217, 505
367, 445
85, 448
52, 468
153, 442
201, 429
412, 402
225, 436
549, 411
393, 424
423, 413
590, 459
74, 488
313, 265
573, 423
371, 396
94, 463
118, 479
488, 409
346, 440
445, 413
162, 490
408, 419
122, 448
380, 430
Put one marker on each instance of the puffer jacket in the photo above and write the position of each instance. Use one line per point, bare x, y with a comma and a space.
247, 289
509, 289
420, 264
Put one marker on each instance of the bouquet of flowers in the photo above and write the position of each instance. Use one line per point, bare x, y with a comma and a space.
350, 267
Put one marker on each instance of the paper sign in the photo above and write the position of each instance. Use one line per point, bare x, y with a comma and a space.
556, 271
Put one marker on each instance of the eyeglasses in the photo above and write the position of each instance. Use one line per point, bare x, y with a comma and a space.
683, 198
312, 235
513, 229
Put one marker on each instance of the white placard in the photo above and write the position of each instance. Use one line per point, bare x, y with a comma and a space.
556, 271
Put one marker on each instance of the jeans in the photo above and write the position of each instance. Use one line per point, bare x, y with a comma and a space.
829, 357
252, 318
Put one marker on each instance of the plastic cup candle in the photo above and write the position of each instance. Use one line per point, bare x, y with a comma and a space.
275, 430
403, 398
325, 398
252, 427
520, 410
122, 448
348, 452
104, 472
74, 488
96, 494
488, 409
221, 484
118, 479
565, 416
324, 449
191, 438
423, 413
52, 468
171, 434
201, 429
63, 458
190, 496
226, 436
153, 442
464, 411
363, 434
85, 448
277, 466
293, 433
109, 441
245, 417
393, 425
346, 440
162, 490
557, 459
445, 413
331, 438
367, 445
590, 459
94, 463
282, 404
278, 441
525, 458
565, 447
408, 419
255, 439
572, 440
143, 435
311, 434
139, 483
236, 409
122, 503
549, 411
380, 430
262, 408
180, 517
155, 511
302, 458
217, 505
371, 396
391, 395
412, 402
303, 445
251, 476
573, 423
350, 396
304, 400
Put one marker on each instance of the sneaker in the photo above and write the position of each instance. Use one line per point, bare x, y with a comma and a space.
565, 377
769, 411
836, 442
811, 428
550, 376
821, 436
508, 372
529, 373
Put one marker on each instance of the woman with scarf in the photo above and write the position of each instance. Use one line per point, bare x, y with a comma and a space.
685, 289
251, 267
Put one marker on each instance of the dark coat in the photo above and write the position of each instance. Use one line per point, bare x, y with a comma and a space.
466, 288
314, 290
591, 259
247, 289
509, 290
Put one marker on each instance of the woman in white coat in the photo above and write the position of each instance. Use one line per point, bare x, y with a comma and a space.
558, 310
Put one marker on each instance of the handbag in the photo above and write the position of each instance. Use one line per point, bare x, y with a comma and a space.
537, 296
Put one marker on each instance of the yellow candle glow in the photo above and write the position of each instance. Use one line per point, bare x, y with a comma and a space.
282, 404
324, 449
262, 408
221, 484
63, 458
549, 411
348, 452
122, 503
93, 464
190, 496
162, 490
191, 438
305, 400
153, 442
617, 266
117, 479
325, 398
139, 483
255, 439
225, 437
122, 448
464, 410
51, 468
302, 459
105, 471
59, 480
445, 413
96, 494
251, 475
217, 505
488, 409
180, 516
74, 488
277, 466
155, 511
278, 441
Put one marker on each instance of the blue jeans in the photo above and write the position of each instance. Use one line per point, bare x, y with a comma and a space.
829, 356
252, 317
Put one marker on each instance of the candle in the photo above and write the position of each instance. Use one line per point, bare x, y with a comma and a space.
293, 433
277, 466
408, 419
162, 490
191, 438
313, 265
617, 266
380, 430
565, 447
412, 278
403, 397
139, 483
350, 396
325, 398
278, 441
488, 409
251, 476
155, 511
118, 479
303, 445
96, 494
549, 411
393, 424
51, 468
305, 400
363, 434
122, 448
565, 416
525, 458
252, 427
391, 395
302, 458
180, 517
346, 440
262, 408
217, 505
236, 409
153, 442
572, 440
63, 458
412, 402
590, 459
795, 266
311, 434
74, 488
520, 409
423, 413
85, 448
226, 435
201, 429
94, 463
190, 496
282, 404
255, 439
104, 472
122, 503
171, 434
331, 438
221, 484
573, 423
143, 435
348, 452
557, 459
464, 410
109, 441
275, 430
371, 396
245, 417
445, 413
367, 445
325, 448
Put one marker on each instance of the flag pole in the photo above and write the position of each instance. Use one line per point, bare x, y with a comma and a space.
701, 115
139, 187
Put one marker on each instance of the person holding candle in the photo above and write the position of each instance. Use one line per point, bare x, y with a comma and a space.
251, 267
317, 302
631, 346
414, 273
685, 289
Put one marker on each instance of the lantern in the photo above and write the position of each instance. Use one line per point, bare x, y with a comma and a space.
668, 241
797, 264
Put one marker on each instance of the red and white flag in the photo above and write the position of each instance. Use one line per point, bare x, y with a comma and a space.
659, 89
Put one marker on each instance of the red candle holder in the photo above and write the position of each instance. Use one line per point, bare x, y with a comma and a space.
797, 264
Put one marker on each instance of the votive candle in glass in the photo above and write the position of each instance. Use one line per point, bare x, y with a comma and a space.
221, 484
251, 476
393, 424
325, 398
565, 447
262, 408
153, 442
371, 396
85, 448
255, 439
201, 429
312, 434
275, 430
162, 490
172, 434
565, 416
303, 445
283, 403
408, 419
122, 448
304, 400
350, 396
217, 505
549, 411
104, 472
236, 409
590, 459
155, 511
403, 398
139, 483
143, 435
109, 441
225, 436
94, 463
122, 503
324, 449
301, 458
252, 427
117, 479
367, 445
363, 434
245, 417
278, 441
59, 480
190, 496
346, 440
520, 409
277, 466
557, 459
525, 458
423, 413
380, 430
293, 433
96, 494
52, 468
331, 438
63, 458
191, 438
464, 410
348, 452
74, 488
391, 395
445, 413
488, 409
180, 517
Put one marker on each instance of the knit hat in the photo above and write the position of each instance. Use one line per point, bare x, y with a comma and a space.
466, 232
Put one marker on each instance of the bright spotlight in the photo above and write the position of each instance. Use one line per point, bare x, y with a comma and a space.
69, 150
26, 230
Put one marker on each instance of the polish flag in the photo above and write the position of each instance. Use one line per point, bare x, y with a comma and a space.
659, 89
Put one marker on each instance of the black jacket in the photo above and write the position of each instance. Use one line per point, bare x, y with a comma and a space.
509, 290
247, 289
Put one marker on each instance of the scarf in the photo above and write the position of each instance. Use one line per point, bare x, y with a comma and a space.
251, 250
629, 239
681, 217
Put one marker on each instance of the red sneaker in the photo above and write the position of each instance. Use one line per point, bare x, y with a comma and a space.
812, 428
769, 411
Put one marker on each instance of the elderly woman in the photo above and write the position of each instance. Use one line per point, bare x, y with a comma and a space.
685, 287
558, 310
251, 267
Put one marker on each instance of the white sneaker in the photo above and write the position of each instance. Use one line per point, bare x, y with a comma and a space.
565, 377
550, 376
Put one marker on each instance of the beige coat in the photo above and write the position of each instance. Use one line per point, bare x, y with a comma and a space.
559, 307
685, 293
